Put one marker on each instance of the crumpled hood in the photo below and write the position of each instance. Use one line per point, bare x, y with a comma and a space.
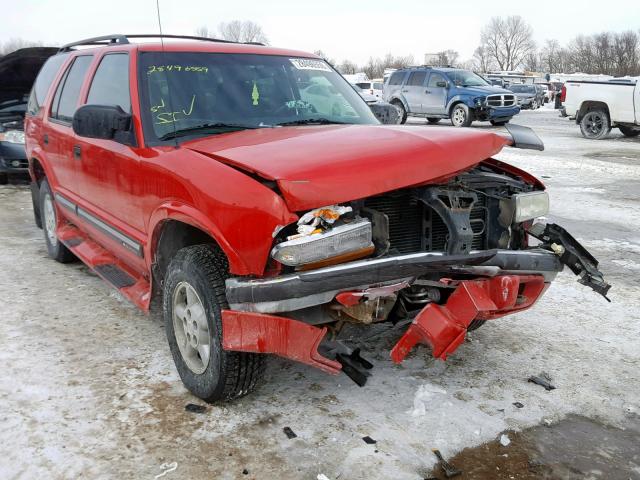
322, 165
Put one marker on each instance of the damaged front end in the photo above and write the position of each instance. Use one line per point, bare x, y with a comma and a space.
442, 259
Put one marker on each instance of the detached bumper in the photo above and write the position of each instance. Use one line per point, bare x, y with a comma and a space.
304, 289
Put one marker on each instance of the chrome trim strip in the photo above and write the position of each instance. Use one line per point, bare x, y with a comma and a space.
68, 204
124, 240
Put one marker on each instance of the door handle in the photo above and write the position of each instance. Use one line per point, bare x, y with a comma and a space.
45, 139
76, 152
427, 91
405, 91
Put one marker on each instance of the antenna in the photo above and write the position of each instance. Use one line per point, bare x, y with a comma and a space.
166, 77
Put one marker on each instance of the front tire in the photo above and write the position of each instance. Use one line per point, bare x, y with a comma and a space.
629, 132
433, 120
461, 115
55, 248
595, 124
193, 300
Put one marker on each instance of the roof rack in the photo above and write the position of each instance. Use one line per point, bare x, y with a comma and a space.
120, 39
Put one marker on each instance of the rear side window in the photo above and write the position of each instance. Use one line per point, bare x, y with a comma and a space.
377, 86
364, 85
65, 100
416, 79
43, 82
110, 85
396, 78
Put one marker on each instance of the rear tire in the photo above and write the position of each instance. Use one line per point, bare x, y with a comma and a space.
402, 113
433, 120
461, 115
49, 212
193, 300
4, 178
629, 132
595, 124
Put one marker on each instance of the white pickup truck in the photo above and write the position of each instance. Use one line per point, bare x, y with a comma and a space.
598, 106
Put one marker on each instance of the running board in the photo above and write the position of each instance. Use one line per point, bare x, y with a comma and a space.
130, 284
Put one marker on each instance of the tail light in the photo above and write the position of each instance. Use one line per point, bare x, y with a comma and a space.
563, 93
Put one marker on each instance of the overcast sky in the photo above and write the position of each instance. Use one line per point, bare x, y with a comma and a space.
351, 29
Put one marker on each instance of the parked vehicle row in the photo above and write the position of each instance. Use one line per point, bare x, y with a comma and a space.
217, 177
440, 92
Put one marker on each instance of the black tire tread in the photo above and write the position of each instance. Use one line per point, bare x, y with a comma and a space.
60, 254
241, 371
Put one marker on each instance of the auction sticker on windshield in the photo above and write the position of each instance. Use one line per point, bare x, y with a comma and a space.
309, 64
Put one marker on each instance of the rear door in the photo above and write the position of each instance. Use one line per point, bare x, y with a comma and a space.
110, 169
435, 98
413, 91
58, 136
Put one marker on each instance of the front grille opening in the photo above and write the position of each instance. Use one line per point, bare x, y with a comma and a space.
415, 227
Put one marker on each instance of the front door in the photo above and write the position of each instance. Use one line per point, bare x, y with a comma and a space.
413, 91
435, 99
109, 169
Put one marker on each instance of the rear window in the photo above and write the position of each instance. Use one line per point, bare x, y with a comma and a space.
416, 79
396, 78
364, 85
377, 86
65, 100
43, 82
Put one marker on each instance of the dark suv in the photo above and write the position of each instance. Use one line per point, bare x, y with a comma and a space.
267, 214
445, 92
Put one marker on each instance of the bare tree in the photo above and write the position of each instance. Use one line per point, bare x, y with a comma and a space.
242, 31
508, 41
482, 61
203, 31
347, 67
375, 67
550, 56
324, 56
448, 57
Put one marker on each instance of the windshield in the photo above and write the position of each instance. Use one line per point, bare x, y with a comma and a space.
523, 88
206, 93
464, 78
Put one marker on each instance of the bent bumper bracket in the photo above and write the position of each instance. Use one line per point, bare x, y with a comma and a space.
444, 327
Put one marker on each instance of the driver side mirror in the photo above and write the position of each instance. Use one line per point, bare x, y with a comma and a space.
106, 122
441, 84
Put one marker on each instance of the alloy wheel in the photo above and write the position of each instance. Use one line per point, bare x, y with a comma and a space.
50, 220
191, 328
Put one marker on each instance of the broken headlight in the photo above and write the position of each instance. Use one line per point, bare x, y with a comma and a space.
341, 243
530, 205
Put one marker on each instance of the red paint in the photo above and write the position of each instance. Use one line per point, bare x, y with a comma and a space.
330, 164
444, 327
260, 333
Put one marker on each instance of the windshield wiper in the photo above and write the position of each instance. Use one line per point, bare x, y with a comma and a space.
181, 132
312, 121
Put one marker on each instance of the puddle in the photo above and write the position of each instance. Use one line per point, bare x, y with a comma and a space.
574, 448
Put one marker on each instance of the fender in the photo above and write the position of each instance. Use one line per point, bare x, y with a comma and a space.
402, 101
188, 214
457, 99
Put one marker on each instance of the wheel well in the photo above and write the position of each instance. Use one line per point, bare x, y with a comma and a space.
173, 236
38, 170
589, 106
453, 105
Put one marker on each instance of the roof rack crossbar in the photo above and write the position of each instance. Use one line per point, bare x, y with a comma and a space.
116, 39
120, 39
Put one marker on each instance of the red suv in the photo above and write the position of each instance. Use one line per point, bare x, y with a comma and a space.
252, 189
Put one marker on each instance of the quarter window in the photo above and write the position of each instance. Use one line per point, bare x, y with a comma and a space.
396, 78
43, 82
416, 79
65, 100
110, 85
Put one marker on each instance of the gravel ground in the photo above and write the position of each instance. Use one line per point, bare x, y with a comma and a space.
88, 388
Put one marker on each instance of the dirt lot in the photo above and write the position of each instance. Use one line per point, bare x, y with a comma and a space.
88, 388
